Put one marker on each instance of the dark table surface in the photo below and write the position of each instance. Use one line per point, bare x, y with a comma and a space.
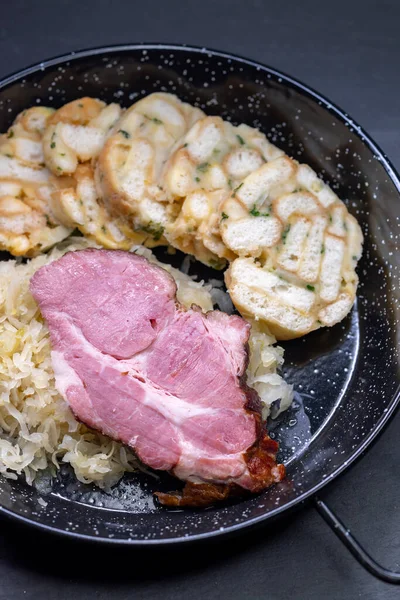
349, 50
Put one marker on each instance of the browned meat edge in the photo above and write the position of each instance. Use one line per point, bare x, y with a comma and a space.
260, 459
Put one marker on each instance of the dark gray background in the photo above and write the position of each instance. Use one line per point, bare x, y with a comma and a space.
349, 51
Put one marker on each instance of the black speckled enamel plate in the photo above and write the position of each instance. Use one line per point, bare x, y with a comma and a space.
346, 378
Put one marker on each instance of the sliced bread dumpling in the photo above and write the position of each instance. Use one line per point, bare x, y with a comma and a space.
128, 170
208, 163
80, 203
298, 248
196, 229
213, 155
76, 133
28, 221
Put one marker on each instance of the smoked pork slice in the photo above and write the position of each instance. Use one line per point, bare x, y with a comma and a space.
170, 383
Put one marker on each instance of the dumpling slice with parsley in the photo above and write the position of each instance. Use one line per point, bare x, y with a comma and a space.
81, 205
208, 163
129, 167
76, 132
298, 248
29, 223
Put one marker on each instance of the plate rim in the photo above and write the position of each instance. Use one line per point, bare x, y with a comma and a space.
394, 177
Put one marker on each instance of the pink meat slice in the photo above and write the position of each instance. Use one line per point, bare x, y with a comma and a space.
169, 382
